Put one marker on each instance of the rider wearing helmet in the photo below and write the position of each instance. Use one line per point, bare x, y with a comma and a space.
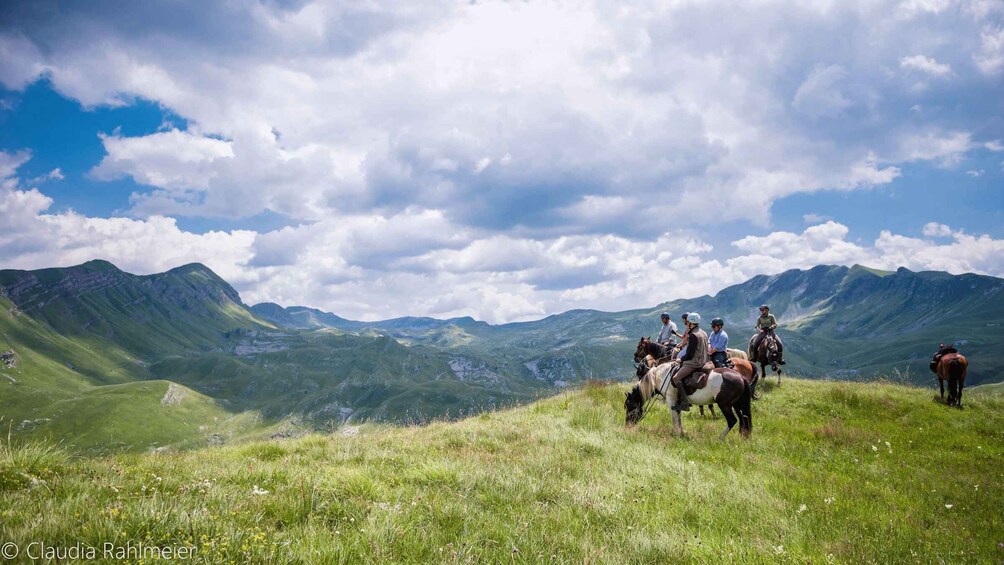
667, 331
682, 348
718, 341
695, 358
765, 326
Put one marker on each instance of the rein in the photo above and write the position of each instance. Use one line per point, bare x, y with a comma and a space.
648, 403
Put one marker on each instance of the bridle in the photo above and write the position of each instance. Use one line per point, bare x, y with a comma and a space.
647, 406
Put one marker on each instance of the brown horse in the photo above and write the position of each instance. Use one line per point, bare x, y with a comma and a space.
767, 354
657, 350
952, 367
749, 373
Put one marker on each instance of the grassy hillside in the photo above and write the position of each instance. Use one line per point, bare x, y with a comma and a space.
835, 472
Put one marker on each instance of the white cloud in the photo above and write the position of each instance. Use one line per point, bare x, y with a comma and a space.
819, 96
926, 65
934, 229
976, 173
500, 115
503, 160
947, 148
990, 58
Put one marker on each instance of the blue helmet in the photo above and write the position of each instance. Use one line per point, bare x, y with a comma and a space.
664, 315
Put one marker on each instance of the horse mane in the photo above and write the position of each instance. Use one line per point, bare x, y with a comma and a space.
649, 384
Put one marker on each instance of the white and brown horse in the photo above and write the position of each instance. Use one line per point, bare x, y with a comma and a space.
725, 387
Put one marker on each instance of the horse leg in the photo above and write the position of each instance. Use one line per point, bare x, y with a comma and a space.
962, 383
730, 419
941, 382
778, 375
677, 423
702, 410
711, 408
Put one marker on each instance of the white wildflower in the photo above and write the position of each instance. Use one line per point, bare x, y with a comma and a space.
802, 508
949, 506
874, 448
779, 549
829, 500
257, 490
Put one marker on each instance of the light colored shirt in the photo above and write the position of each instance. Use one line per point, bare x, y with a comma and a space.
766, 322
666, 333
719, 340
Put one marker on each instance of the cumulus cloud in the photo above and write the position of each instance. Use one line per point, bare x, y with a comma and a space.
502, 160
926, 65
419, 262
484, 112
934, 229
820, 95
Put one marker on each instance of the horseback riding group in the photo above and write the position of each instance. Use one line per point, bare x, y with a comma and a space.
694, 368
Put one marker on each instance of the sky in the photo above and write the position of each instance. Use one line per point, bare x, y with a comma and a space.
501, 160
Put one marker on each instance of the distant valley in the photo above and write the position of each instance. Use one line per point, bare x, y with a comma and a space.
100, 359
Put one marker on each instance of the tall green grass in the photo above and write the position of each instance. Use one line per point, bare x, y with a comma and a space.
834, 472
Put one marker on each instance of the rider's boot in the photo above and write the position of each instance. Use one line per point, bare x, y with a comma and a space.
682, 405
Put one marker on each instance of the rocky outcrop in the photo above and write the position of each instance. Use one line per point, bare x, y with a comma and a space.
8, 359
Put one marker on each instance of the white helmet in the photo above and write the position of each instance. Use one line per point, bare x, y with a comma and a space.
694, 318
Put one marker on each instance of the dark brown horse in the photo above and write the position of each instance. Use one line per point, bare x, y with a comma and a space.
767, 354
952, 367
658, 351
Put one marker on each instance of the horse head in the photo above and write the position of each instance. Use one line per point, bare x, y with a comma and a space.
642, 350
633, 405
640, 369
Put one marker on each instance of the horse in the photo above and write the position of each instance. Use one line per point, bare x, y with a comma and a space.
952, 367
725, 387
648, 362
737, 354
648, 347
767, 354
748, 372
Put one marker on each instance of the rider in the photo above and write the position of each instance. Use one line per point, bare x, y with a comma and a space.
942, 351
765, 325
667, 331
719, 342
694, 359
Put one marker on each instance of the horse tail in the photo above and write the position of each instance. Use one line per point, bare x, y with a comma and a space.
754, 381
956, 369
745, 411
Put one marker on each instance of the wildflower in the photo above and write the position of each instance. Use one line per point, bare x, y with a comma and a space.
887, 444
829, 500
257, 490
779, 549
949, 506
874, 448
802, 508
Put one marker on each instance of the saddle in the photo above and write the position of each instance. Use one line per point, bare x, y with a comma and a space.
698, 379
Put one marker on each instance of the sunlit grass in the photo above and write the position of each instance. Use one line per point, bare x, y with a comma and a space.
834, 472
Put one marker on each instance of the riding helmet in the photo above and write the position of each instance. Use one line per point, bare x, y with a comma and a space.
717, 322
694, 318
664, 315
764, 307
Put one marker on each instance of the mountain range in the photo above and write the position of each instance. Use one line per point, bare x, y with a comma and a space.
100, 359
